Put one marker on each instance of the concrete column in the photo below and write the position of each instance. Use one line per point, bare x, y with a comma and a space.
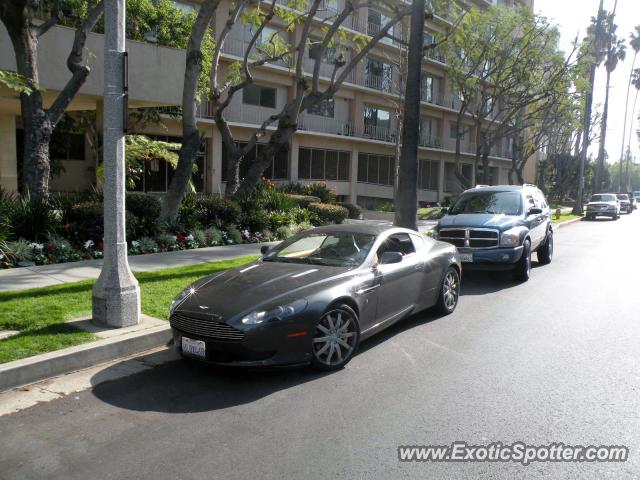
441, 178
215, 157
353, 175
8, 153
293, 165
116, 294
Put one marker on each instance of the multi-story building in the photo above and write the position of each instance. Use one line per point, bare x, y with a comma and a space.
349, 142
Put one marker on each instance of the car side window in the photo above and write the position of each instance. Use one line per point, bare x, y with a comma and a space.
418, 243
398, 242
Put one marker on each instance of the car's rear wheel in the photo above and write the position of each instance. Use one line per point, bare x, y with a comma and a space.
336, 338
522, 271
545, 252
449, 292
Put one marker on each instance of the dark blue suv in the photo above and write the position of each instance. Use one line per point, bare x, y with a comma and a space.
498, 227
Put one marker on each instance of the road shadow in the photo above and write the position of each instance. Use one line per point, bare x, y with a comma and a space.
183, 386
486, 282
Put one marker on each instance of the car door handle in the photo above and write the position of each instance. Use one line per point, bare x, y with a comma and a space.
419, 266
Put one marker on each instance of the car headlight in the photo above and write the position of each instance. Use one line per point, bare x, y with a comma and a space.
511, 237
278, 313
183, 295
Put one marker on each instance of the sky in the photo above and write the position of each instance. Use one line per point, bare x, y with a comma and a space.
572, 18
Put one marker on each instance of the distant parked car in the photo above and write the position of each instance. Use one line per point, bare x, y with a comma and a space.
635, 199
498, 228
603, 204
625, 203
314, 297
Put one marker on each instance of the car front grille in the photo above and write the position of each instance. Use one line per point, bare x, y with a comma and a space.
206, 328
470, 237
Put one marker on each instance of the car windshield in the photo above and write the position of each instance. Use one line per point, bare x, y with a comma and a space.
603, 198
622, 196
505, 203
339, 249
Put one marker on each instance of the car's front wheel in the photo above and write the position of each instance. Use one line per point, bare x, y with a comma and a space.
522, 271
336, 338
449, 292
545, 252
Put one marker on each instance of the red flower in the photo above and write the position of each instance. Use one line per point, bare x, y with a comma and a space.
180, 237
48, 248
100, 245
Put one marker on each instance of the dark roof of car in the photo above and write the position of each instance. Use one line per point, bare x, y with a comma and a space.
366, 228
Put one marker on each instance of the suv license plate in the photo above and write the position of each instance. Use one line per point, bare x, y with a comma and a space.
466, 257
196, 348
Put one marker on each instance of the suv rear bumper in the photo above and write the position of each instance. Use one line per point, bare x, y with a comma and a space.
492, 258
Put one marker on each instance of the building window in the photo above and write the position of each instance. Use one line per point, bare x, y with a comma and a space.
326, 108
453, 128
427, 88
259, 95
376, 169
428, 172
378, 75
427, 134
377, 118
158, 173
277, 170
66, 145
318, 164
377, 21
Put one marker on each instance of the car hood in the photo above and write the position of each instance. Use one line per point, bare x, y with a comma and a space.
479, 220
261, 283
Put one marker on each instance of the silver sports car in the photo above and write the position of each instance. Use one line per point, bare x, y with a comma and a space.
315, 296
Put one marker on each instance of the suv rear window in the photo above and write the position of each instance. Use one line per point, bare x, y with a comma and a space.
603, 198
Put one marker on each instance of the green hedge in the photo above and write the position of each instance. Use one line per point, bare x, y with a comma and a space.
215, 210
355, 211
328, 213
304, 201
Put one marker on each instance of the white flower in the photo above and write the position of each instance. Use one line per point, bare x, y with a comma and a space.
88, 244
189, 238
135, 243
36, 246
1, 256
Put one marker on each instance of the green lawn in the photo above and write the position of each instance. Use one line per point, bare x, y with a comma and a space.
39, 314
563, 217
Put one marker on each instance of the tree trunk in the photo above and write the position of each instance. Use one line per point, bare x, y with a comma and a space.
406, 201
190, 134
578, 208
624, 128
597, 181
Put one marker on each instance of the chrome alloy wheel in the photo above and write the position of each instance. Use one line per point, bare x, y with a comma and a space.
450, 290
335, 338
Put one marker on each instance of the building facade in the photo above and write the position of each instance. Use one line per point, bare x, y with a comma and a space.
350, 142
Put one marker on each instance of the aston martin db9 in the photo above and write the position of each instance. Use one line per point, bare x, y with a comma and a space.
314, 297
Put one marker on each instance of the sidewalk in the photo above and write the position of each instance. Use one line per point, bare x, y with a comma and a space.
45, 275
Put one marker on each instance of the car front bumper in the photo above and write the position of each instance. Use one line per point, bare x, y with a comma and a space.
492, 258
269, 345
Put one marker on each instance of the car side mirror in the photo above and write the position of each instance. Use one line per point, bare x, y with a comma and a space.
535, 211
390, 257
264, 249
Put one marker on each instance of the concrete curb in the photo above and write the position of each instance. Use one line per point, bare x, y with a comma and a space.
51, 364
568, 222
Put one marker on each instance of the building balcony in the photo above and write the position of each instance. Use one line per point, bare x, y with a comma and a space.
326, 70
315, 123
373, 132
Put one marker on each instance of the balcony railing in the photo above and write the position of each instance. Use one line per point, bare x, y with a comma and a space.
430, 141
238, 46
326, 69
384, 134
315, 123
465, 145
249, 114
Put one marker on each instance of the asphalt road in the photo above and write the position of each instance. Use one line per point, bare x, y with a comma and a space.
554, 360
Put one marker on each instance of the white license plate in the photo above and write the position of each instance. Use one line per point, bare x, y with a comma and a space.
194, 347
466, 257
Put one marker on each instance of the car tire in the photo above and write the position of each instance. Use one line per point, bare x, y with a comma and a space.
522, 271
545, 251
449, 292
337, 327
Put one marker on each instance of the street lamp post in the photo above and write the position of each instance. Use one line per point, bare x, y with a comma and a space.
116, 294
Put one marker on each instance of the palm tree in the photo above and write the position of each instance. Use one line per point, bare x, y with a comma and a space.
615, 52
634, 42
635, 81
